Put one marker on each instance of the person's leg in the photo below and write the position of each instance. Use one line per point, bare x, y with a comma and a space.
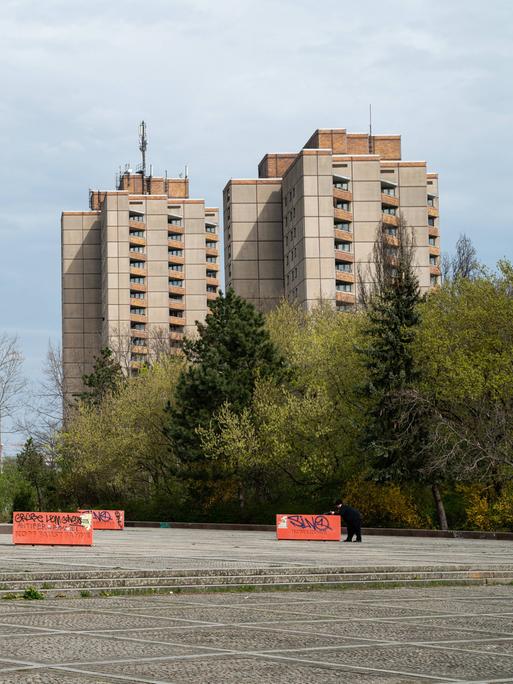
358, 532
350, 533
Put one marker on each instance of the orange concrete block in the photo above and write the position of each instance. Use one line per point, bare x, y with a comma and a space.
70, 529
107, 520
307, 527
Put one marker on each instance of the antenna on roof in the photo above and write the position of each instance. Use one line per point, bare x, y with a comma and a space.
371, 142
143, 144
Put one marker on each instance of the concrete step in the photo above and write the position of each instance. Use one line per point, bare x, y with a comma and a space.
71, 583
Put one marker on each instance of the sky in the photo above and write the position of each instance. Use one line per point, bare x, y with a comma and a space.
220, 83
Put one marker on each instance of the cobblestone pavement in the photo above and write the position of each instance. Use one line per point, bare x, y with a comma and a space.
442, 634
154, 549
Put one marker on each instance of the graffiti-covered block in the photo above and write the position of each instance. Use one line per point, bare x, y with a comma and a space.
107, 520
308, 527
34, 527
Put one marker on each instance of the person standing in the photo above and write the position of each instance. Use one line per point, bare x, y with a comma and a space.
351, 518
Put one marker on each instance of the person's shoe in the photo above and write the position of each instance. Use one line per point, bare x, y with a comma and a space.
347, 540
358, 540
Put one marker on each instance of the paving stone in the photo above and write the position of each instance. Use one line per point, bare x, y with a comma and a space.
51, 677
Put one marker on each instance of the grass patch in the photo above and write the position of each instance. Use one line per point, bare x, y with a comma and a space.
10, 596
84, 593
32, 594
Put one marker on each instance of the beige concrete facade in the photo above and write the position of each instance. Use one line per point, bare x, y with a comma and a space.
138, 271
311, 237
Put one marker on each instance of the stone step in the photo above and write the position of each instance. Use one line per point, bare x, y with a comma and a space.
233, 579
255, 586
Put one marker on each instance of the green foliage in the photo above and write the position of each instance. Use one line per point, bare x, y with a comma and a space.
37, 474
388, 356
32, 594
115, 453
106, 378
232, 351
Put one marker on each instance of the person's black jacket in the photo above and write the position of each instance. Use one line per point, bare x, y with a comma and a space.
350, 516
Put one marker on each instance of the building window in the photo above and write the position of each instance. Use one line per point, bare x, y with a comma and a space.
431, 221
433, 260
175, 236
174, 313
210, 229
432, 241
341, 184
344, 246
135, 217
210, 245
430, 201
137, 248
344, 306
137, 310
138, 342
175, 252
173, 221
212, 259
345, 206
212, 274
212, 289
345, 287
176, 297
433, 281
176, 267
138, 326
391, 211
137, 279
136, 295
137, 233
341, 266
175, 283
137, 264
391, 230
388, 191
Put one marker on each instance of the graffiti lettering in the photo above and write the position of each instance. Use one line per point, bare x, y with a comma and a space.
316, 523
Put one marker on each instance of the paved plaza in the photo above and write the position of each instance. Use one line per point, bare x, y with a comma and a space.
446, 634
158, 549
435, 634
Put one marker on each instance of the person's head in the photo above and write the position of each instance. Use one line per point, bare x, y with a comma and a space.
339, 503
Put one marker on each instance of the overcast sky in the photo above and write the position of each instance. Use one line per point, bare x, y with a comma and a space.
220, 83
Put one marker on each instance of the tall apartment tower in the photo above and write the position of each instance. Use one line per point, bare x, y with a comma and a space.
305, 229
138, 270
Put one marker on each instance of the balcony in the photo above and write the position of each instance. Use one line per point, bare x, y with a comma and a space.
434, 251
346, 297
212, 267
172, 259
137, 287
211, 296
343, 234
211, 251
344, 195
175, 336
212, 281
340, 255
435, 270
138, 318
389, 200
136, 272
342, 214
134, 223
136, 349
212, 236
175, 320
433, 211
173, 289
142, 334
391, 240
139, 256
136, 240
176, 305
175, 244
390, 219
139, 303
175, 229
344, 277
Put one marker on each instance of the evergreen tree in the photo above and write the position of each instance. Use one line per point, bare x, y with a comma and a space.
232, 349
37, 474
106, 378
388, 357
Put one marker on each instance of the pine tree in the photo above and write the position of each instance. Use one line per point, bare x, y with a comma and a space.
231, 351
106, 378
388, 356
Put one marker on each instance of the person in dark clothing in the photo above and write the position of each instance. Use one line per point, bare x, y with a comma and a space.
352, 519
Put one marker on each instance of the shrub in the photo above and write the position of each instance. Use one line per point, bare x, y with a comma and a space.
382, 505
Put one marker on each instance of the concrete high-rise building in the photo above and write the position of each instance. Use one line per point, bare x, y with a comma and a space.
305, 229
138, 271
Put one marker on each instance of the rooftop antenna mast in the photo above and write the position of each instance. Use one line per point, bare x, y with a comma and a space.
143, 144
371, 142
